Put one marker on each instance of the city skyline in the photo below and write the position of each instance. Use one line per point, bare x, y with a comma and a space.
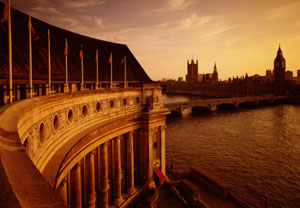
240, 37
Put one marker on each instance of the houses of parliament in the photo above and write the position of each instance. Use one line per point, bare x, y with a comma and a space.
277, 81
193, 76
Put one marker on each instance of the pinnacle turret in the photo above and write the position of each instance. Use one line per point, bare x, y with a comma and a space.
279, 52
215, 67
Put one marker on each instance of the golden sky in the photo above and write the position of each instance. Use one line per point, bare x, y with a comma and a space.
240, 35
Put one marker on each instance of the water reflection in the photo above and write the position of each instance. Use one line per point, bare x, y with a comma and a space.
256, 151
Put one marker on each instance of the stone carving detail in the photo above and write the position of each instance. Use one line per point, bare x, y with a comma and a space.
63, 120
149, 103
155, 98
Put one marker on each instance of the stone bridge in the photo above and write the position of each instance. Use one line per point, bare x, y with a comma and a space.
185, 108
83, 149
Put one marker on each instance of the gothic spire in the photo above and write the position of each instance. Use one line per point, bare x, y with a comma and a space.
215, 67
279, 52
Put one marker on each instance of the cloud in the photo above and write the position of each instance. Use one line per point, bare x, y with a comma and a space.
169, 6
194, 21
181, 33
283, 12
71, 21
81, 4
46, 9
87, 18
179, 4
98, 21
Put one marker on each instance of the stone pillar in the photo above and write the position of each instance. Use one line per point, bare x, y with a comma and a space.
140, 157
148, 159
103, 199
75, 188
89, 171
130, 164
163, 150
117, 186
63, 190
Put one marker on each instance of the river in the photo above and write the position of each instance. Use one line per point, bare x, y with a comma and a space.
257, 151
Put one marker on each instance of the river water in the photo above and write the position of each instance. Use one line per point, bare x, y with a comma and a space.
256, 151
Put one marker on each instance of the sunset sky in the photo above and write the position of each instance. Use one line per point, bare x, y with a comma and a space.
240, 35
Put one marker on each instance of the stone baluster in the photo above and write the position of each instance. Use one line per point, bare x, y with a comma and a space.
27, 92
18, 93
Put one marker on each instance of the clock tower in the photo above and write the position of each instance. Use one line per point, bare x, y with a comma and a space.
279, 73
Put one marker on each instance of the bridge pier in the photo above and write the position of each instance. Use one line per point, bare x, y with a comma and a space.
236, 104
213, 107
185, 111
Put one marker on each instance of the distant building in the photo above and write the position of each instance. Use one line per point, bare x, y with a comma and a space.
279, 73
193, 76
200, 77
192, 71
257, 77
215, 74
288, 75
207, 77
269, 75
298, 73
180, 79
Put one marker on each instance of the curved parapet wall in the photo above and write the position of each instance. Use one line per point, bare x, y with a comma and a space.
22, 185
70, 137
49, 125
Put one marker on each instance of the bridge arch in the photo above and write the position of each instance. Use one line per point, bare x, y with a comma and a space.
266, 102
248, 104
226, 106
201, 109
